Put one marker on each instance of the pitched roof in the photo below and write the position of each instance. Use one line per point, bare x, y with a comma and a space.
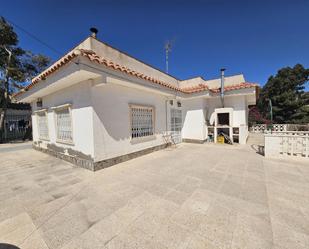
235, 87
93, 57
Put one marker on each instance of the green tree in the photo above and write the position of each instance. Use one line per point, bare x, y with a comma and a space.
17, 66
285, 90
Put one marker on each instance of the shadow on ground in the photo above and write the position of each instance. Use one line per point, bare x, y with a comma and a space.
259, 149
8, 246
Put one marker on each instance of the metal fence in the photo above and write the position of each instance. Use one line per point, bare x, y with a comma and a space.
17, 122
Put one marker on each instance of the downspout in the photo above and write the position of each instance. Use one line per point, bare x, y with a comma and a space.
222, 86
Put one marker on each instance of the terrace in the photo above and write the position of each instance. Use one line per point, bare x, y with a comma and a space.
192, 196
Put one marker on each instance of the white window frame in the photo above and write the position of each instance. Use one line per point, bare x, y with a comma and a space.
37, 114
146, 107
57, 109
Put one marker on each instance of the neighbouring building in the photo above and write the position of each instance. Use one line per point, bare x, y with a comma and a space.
97, 106
17, 122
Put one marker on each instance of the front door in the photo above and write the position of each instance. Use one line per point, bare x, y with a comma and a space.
176, 125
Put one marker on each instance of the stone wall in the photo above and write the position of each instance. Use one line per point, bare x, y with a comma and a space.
88, 163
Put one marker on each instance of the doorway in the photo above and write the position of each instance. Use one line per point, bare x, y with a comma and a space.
176, 125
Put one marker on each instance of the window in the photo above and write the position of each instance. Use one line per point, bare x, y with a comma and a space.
42, 124
63, 124
142, 121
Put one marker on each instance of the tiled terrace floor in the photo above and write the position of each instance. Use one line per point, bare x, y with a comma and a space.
195, 196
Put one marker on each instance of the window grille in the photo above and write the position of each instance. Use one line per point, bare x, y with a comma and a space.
64, 124
42, 125
142, 121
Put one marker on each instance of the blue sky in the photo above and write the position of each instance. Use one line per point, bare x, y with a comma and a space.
251, 37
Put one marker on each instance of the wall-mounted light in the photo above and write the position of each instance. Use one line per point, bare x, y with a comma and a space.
39, 102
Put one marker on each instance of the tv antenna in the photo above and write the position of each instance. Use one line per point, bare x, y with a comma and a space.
168, 48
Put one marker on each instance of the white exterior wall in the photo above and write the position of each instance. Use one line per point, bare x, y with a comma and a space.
79, 96
111, 120
194, 114
239, 105
198, 111
239, 109
240, 112
101, 118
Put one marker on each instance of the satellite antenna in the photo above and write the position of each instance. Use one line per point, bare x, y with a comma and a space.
168, 48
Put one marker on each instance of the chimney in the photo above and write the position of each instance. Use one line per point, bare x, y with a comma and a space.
94, 32
222, 86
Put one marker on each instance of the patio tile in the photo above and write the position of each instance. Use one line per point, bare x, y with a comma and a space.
10, 225
199, 242
42, 212
231, 188
173, 236
252, 232
109, 227
213, 181
218, 226
156, 216
176, 198
35, 241
57, 236
286, 237
10, 208
290, 216
18, 235
254, 191
87, 240
129, 241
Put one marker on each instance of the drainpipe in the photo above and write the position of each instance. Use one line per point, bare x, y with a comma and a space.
222, 86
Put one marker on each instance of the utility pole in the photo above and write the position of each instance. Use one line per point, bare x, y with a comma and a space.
6, 96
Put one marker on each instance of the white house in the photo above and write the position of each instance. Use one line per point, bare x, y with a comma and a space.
97, 106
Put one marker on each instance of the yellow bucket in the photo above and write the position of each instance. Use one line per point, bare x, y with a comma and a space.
220, 139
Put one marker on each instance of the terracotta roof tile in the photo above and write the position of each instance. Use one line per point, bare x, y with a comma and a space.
235, 87
92, 56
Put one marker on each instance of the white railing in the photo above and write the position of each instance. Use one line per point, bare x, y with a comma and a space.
261, 128
279, 127
289, 143
293, 133
258, 128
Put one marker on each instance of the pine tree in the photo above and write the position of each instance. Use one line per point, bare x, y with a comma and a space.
17, 66
285, 90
